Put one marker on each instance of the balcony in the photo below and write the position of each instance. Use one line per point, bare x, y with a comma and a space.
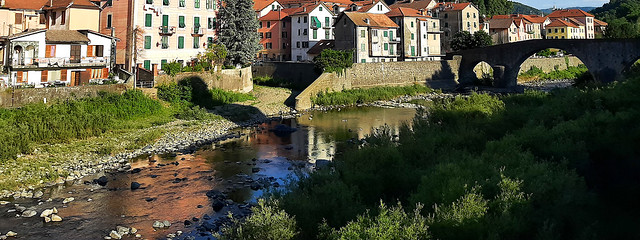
394, 40
60, 62
166, 30
197, 31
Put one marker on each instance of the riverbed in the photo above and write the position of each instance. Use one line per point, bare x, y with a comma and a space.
174, 186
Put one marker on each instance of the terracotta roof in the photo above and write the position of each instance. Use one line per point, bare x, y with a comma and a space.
25, 4
417, 4
500, 23
366, 5
274, 16
597, 22
288, 2
25, 33
453, 6
374, 20
535, 18
258, 5
569, 13
404, 12
306, 9
70, 3
574, 21
322, 45
65, 36
561, 23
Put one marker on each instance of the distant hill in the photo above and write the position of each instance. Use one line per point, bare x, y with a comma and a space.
519, 8
586, 9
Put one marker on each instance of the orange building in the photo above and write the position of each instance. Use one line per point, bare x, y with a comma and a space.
275, 36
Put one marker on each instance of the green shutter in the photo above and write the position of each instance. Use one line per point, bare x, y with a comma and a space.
197, 4
385, 34
326, 22
165, 2
327, 34
315, 22
182, 3
386, 46
196, 42
196, 22
165, 20
180, 42
147, 42
391, 35
147, 20
413, 50
147, 64
162, 63
315, 33
181, 22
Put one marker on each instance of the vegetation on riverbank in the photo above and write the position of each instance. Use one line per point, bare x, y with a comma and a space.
559, 165
535, 73
355, 96
194, 93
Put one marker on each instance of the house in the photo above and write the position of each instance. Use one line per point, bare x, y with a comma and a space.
370, 6
585, 18
275, 36
424, 5
57, 57
21, 15
503, 30
419, 34
457, 17
600, 27
529, 26
72, 15
561, 29
372, 37
155, 32
263, 7
310, 24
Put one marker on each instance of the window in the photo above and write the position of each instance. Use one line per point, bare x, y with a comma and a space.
268, 24
468, 24
412, 36
196, 24
196, 4
147, 64
284, 45
268, 45
411, 23
446, 24
555, 30
284, 24
109, 21
209, 4
468, 15
379, 7
181, 23
298, 19
304, 32
362, 47
374, 32
327, 34
182, 3
391, 50
315, 33
385, 34
363, 61
149, 1
147, 42
413, 50
180, 42
53, 18
435, 37
284, 35
162, 63
475, 25
446, 15
386, 46
268, 35
297, 44
305, 44
298, 32
562, 30
43, 19
261, 35
305, 19
165, 20
196, 42
147, 20
474, 15
390, 35
63, 16
50, 51
165, 2
259, 24
327, 22
109, 3
211, 23
320, 9
165, 42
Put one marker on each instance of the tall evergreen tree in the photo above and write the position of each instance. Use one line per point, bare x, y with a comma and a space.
481, 7
239, 31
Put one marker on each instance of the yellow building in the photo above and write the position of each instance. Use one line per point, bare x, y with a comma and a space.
561, 29
17, 16
72, 15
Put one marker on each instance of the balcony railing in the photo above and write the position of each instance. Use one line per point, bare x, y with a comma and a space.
61, 62
167, 30
197, 31
395, 40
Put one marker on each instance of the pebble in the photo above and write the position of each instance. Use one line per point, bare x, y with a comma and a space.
4, 202
29, 213
166, 223
133, 230
68, 200
11, 234
56, 218
158, 224
46, 213
115, 235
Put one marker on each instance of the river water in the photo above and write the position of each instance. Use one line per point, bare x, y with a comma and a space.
174, 186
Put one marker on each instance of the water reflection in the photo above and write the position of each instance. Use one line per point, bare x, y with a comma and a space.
174, 186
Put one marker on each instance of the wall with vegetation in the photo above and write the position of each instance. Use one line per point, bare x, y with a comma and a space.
237, 80
298, 74
548, 64
24, 96
435, 74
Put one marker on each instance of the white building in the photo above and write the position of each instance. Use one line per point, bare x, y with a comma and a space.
310, 24
57, 57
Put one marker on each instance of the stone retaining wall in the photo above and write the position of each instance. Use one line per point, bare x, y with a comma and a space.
436, 74
24, 96
237, 80
300, 75
548, 64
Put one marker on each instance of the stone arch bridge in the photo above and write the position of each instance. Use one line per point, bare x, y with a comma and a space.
606, 59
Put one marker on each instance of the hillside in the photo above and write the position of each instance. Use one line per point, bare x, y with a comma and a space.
586, 9
622, 16
519, 8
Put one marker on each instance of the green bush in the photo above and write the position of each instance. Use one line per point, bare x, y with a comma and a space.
354, 96
336, 61
267, 221
193, 91
172, 68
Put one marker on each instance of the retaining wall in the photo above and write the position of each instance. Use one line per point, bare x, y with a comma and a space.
26, 96
435, 74
300, 75
548, 64
237, 80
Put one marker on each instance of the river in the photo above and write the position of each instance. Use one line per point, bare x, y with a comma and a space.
174, 186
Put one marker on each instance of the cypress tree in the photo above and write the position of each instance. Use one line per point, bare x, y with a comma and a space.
239, 31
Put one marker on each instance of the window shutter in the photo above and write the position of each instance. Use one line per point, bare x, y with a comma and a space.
44, 76
19, 78
147, 20
47, 52
180, 42
90, 51
105, 73
99, 51
147, 42
63, 75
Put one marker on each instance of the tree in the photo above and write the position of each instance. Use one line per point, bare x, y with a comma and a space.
620, 28
215, 55
493, 7
239, 31
333, 60
465, 40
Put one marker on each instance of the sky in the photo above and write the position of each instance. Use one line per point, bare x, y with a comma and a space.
542, 4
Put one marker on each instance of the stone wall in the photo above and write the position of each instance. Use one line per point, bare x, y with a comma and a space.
300, 75
24, 96
548, 64
237, 80
436, 74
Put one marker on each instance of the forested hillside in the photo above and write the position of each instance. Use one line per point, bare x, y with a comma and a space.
622, 16
519, 8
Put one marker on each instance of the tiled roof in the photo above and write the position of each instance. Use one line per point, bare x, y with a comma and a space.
25, 4
366, 5
69, 3
404, 12
597, 22
329, 2
322, 45
574, 21
453, 6
274, 16
500, 23
261, 4
373, 19
417, 4
65, 36
25, 33
561, 23
569, 13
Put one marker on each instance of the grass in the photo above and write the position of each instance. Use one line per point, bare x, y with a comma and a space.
355, 96
535, 73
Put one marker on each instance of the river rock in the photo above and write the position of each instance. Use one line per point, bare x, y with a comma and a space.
56, 218
122, 230
166, 223
102, 181
46, 213
11, 234
68, 200
171, 235
158, 224
4, 202
135, 185
217, 205
38, 194
115, 235
47, 219
29, 213
133, 230
55, 210
20, 208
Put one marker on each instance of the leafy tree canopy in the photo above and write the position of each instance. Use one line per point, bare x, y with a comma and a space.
465, 40
622, 16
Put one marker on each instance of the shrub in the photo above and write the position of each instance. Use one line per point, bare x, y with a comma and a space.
172, 68
333, 61
354, 96
267, 221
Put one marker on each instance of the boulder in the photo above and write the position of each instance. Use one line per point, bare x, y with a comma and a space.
102, 181
158, 224
56, 218
135, 185
29, 213
46, 213
11, 234
166, 223
217, 205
